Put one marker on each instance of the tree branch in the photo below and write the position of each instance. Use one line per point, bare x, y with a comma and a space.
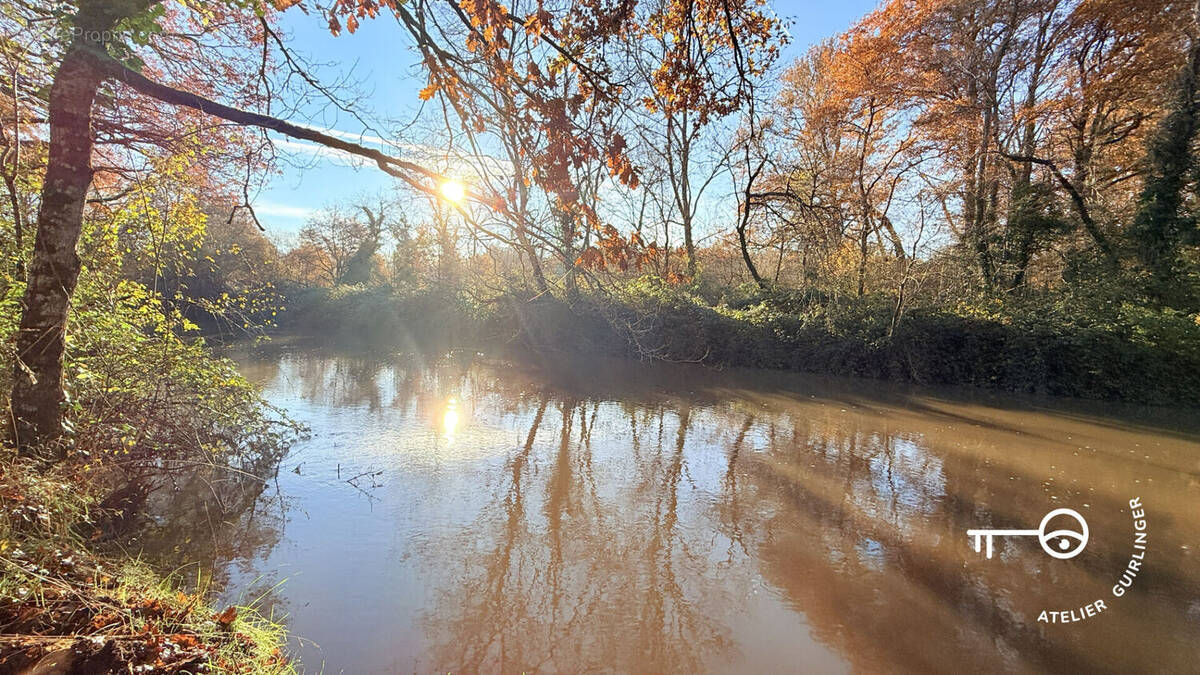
1080, 205
394, 166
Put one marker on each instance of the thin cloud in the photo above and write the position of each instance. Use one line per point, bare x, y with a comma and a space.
436, 158
362, 139
282, 210
314, 150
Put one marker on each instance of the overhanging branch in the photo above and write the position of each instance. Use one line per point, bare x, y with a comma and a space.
402, 169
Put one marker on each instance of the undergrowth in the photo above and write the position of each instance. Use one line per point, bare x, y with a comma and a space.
1057, 344
148, 404
64, 599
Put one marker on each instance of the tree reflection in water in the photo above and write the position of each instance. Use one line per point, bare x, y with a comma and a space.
210, 525
570, 569
607, 517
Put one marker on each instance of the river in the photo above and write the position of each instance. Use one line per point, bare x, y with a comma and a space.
464, 514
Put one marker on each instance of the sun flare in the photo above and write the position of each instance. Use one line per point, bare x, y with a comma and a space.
450, 419
454, 191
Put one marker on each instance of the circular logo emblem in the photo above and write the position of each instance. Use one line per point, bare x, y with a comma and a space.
1057, 543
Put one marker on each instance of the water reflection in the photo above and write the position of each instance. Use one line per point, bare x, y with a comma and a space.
450, 419
634, 519
204, 523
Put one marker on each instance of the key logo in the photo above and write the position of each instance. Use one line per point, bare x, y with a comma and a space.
1064, 540
1056, 543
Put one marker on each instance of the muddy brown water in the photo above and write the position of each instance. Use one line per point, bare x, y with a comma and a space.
471, 515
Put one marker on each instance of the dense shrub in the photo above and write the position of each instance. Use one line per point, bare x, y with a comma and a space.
381, 315
1056, 344
148, 404
143, 391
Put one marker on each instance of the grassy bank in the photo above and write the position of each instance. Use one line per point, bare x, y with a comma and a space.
147, 408
1076, 347
67, 599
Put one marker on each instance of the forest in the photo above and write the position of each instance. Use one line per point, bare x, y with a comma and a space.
895, 215
951, 192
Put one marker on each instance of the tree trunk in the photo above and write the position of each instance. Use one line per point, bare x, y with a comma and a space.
862, 260
689, 245
37, 396
566, 221
743, 224
1021, 206
539, 277
744, 245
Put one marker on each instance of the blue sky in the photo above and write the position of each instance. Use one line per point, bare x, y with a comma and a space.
378, 59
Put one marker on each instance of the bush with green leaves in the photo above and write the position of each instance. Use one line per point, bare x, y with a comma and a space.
1054, 343
371, 315
146, 397
143, 390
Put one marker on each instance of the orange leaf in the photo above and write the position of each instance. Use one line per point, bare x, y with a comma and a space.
226, 618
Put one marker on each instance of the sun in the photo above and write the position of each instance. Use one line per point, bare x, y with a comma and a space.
453, 190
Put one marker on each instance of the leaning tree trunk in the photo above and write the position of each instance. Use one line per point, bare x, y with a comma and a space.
37, 395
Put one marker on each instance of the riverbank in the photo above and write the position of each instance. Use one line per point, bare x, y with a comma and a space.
148, 409
1038, 345
72, 603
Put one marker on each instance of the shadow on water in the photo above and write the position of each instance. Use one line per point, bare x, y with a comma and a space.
621, 516
204, 523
